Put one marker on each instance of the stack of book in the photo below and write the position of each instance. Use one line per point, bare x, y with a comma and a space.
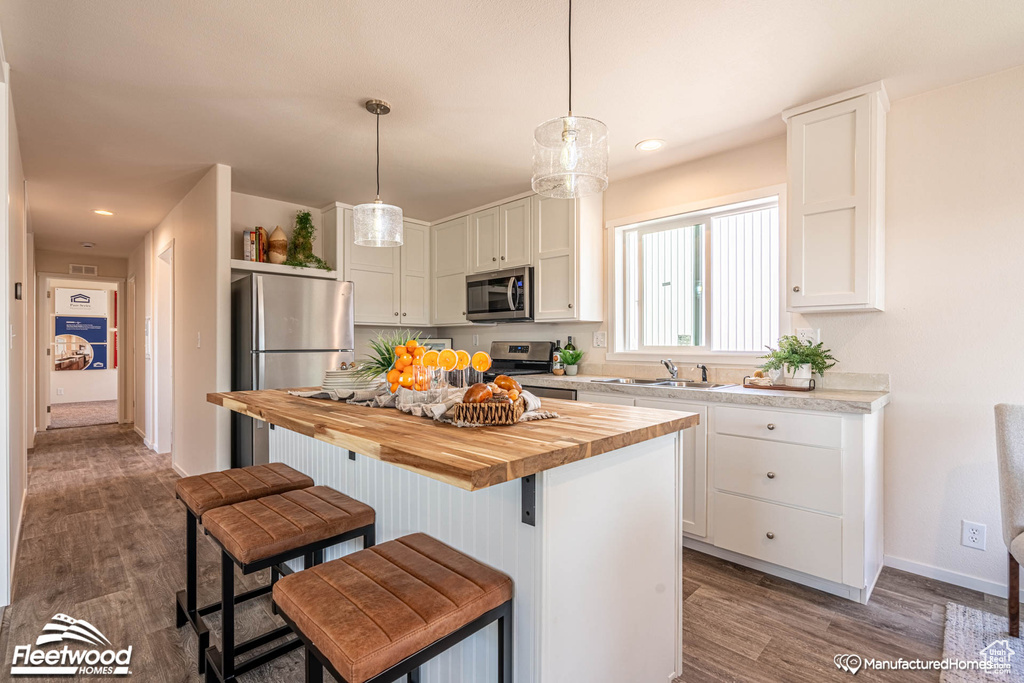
255, 245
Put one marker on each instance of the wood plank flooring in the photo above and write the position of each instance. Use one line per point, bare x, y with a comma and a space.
103, 540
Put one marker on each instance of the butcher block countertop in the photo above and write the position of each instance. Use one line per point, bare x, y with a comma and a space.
470, 458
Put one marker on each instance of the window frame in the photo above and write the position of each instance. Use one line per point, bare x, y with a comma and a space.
699, 213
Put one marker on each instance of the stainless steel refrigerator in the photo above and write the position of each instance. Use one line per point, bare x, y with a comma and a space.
285, 332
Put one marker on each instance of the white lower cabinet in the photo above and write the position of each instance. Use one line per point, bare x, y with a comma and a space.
795, 493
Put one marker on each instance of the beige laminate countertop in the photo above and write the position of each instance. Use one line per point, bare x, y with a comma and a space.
469, 457
828, 400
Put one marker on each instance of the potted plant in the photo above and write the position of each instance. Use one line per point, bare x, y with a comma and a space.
571, 358
800, 359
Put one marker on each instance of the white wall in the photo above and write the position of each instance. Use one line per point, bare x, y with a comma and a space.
248, 211
199, 229
951, 333
58, 262
140, 267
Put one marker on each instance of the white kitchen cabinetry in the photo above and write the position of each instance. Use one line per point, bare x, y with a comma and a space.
416, 281
568, 259
694, 469
500, 237
483, 241
836, 202
449, 254
799, 494
376, 274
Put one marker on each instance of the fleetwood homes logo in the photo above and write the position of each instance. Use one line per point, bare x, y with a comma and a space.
80, 299
99, 660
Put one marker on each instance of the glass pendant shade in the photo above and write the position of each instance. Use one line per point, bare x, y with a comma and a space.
377, 225
570, 157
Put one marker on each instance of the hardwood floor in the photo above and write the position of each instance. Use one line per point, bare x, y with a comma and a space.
103, 540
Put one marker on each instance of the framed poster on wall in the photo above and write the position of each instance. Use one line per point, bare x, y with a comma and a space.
80, 343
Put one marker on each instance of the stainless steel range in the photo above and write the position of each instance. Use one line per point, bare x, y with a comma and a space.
516, 358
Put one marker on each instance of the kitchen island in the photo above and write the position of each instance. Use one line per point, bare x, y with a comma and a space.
582, 511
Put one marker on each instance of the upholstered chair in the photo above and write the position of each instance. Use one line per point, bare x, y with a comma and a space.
1010, 451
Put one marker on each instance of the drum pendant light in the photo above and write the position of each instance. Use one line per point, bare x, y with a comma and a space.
377, 224
570, 153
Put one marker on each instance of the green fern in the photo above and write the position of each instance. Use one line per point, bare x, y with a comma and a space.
793, 353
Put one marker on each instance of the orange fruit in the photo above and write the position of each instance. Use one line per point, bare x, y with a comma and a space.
411, 344
430, 359
419, 352
463, 357
406, 359
393, 376
417, 361
405, 380
481, 361
400, 351
394, 387
447, 359
399, 364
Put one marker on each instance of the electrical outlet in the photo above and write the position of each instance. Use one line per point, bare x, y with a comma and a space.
600, 340
808, 335
972, 534
60, 391
476, 340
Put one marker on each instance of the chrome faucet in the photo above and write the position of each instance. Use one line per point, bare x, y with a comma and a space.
703, 372
671, 367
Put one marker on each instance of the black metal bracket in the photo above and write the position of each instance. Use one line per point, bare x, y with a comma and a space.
530, 499
351, 455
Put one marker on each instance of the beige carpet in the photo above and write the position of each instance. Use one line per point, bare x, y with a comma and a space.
84, 414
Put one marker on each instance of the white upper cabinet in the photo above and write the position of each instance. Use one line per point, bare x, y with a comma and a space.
376, 274
449, 257
515, 236
568, 259
415, 270
483, 241
836, 200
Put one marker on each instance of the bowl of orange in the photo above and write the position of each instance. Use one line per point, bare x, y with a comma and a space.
409, 370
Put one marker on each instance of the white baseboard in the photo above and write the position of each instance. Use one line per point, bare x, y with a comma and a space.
181, 473
995, 588
142, 434
17, 533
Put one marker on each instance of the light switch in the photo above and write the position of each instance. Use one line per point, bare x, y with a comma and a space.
600, 340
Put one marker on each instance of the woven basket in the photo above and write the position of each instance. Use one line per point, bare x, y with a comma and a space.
491, 413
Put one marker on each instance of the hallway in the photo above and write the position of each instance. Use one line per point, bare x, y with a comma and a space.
103, 540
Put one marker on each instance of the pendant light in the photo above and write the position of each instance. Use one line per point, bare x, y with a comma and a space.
570, 153
377, 224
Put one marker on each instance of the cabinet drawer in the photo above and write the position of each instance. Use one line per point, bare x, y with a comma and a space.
805, 541
806, 476
775, 425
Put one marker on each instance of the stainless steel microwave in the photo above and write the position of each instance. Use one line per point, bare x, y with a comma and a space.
500, 296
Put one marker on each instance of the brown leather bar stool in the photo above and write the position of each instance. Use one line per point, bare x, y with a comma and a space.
269, 531
378, 615
203, 493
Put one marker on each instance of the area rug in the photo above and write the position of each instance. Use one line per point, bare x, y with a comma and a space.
84, 414
973, 635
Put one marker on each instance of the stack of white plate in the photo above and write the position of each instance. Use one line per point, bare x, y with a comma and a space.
345, 381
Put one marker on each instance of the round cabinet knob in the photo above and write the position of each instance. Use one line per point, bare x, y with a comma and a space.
771, 427
463, 313
396, 312
404, 314
771, 475
797, 288
770, 535
493, 258
570, 305
502, 258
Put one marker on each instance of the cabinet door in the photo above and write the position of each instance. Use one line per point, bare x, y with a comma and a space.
514, 234
554, 237
483, 241
449, 254
694, 470
833, 166
416, 275
595, 397
375, 272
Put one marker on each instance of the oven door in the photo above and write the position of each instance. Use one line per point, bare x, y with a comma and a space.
501, 296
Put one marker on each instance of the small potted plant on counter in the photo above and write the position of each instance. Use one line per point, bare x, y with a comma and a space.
800, 359
571, 358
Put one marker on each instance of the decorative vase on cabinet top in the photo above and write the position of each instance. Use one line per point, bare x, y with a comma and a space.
278, 246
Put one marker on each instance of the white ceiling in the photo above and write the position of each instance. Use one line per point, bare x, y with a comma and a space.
121, 104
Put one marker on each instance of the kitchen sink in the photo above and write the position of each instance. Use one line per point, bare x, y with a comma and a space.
626, 380
680, 383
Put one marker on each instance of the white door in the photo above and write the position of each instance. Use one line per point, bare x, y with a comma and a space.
514, 234
415, 253
829, 229
483, 241
376, 273
449, 252
694, 470
554, 237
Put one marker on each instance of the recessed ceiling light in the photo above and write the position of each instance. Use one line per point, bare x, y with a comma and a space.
650, 145
103, 212
88, 245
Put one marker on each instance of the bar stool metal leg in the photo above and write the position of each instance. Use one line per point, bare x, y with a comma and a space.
314, 669
227, 600
505, 627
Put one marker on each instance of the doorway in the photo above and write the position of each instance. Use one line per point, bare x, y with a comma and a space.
163, 371
79, 371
